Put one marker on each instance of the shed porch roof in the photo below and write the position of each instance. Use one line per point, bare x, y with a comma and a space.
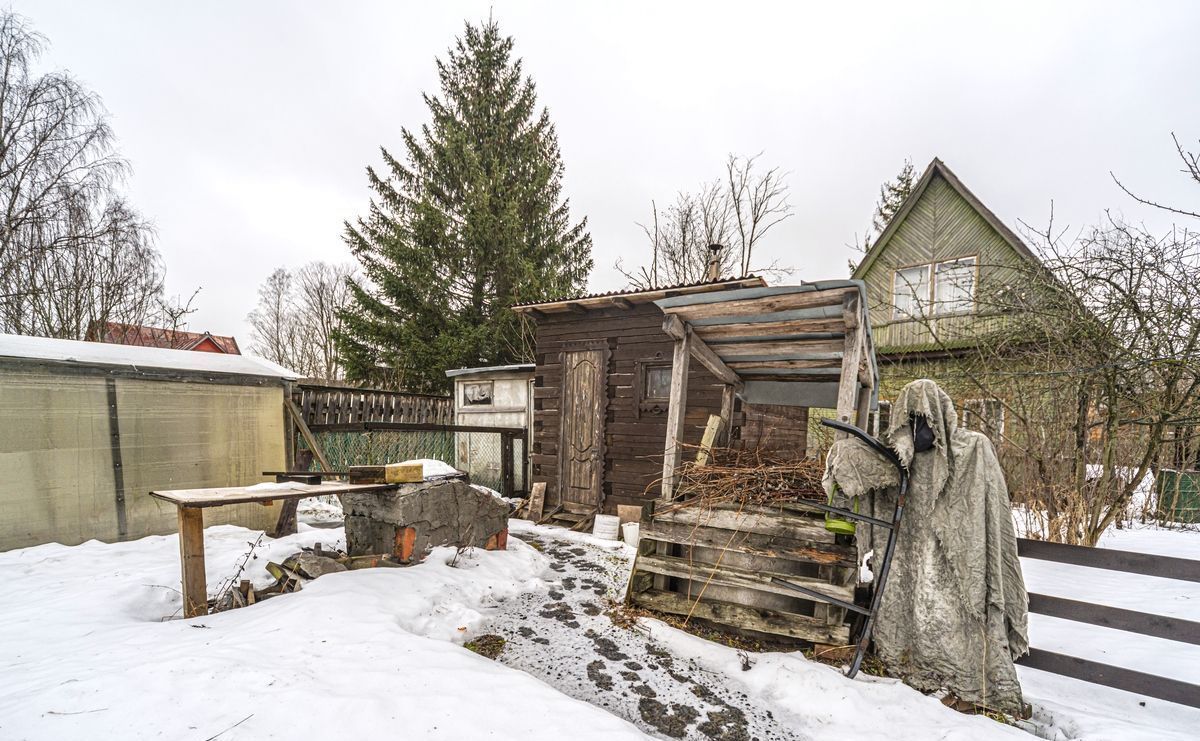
782, 345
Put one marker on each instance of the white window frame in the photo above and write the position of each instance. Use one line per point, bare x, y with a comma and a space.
938, 302
899, 313
929, 305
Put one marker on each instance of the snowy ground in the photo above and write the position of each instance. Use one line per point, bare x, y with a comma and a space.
87, 650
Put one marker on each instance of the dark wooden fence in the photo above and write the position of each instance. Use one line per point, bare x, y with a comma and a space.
1132, 621
331, 405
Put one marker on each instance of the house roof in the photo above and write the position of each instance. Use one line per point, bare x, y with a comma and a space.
637, 296
939, 168
785, 344
76, 353
143, 336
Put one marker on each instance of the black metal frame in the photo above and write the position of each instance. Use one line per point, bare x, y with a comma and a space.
885, 565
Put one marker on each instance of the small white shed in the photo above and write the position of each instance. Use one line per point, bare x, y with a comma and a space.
496, 396
91, 428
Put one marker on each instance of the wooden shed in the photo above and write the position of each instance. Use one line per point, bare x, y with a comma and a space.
602, 381
91, 428
732, 563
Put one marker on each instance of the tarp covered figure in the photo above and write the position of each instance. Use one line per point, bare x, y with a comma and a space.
954, 611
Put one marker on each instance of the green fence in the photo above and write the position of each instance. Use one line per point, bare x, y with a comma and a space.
1178, 495
493, 457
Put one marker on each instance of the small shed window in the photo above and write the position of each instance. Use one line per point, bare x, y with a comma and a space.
657, 383
910, 291
954, 286
477, 394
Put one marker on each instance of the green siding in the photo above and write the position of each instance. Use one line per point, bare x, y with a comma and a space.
942, 225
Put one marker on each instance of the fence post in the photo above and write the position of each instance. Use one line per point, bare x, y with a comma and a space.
506, 463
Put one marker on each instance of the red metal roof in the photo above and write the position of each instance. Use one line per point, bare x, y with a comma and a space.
175, 339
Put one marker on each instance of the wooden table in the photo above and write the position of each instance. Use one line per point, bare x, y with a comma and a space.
191, 503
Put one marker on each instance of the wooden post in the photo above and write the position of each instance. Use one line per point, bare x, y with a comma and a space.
506, 464
306, 433
727, 395
711, 430
191, 561
848, 386
677, 408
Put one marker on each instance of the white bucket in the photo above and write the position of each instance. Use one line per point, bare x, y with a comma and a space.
606, 526
630, 532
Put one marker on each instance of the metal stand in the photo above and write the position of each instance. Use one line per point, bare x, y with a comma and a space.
885, 565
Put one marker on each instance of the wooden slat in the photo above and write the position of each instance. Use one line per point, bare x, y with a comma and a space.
1166, 567
731, 352
754, 544
719, 332
1159, 626
727, 576
1162, 688
807, 529
834, 362
761, 305
774, 622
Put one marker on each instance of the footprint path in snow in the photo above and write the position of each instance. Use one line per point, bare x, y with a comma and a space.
565, 639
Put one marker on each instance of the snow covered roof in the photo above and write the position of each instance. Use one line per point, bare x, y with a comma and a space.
131, 356
517, 368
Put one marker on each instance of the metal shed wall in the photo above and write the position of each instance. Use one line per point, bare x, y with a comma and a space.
60, 461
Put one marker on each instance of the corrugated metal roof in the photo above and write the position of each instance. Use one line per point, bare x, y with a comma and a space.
628, 292
138, 358
517, 368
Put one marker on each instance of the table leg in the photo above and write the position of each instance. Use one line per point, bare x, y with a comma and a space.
191, 560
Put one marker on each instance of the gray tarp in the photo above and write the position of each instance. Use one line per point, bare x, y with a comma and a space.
954, 612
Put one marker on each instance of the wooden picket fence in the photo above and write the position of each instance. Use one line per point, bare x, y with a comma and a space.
333, 405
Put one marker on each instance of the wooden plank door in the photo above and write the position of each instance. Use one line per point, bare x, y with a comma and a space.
581, 449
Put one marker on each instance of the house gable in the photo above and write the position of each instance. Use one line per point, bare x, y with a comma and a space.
940, 221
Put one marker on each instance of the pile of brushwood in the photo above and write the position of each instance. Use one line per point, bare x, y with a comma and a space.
291, 575
732, 476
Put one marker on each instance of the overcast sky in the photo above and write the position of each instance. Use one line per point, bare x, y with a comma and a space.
249, 124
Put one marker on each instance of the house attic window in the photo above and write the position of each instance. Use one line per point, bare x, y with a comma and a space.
910, 291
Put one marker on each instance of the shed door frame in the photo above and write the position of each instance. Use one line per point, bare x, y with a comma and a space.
598, 422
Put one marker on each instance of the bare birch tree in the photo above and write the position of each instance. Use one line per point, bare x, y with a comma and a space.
735, 212
296, 316
72, 253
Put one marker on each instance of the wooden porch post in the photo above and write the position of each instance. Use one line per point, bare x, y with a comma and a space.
848, 385
677, 408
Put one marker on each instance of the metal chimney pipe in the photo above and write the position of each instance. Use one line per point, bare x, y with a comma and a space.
713, 271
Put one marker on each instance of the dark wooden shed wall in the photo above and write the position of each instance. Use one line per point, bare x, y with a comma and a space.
633, 440
633, 449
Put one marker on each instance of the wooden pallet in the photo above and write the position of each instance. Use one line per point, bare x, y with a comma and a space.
718, 564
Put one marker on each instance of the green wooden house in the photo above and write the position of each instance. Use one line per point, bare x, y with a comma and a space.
923, 276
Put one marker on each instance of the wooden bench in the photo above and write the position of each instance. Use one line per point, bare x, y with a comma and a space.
191, 503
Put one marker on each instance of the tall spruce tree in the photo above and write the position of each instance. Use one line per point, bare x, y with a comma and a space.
471, 222
891, 197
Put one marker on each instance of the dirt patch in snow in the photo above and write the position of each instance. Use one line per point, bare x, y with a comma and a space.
549, 632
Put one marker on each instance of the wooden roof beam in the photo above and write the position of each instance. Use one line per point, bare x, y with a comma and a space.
576, 308
675, 327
